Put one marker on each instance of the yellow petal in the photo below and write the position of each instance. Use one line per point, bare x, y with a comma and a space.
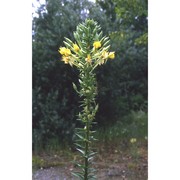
76, 47
88, 59
111, 55
67, 52
97, 44
105, 54
62, 50
65, 59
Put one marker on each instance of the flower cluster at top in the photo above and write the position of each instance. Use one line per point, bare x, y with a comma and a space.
73, 54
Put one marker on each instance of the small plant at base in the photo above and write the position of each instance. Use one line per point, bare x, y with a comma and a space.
134, 148
89, 51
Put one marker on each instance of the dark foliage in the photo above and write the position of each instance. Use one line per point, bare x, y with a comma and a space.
122, 84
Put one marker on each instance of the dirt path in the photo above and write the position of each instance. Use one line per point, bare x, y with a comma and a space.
110, 165
104, 172
59, 173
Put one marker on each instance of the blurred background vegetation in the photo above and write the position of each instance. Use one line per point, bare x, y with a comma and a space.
122, 83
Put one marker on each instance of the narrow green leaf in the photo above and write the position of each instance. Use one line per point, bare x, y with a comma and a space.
79, 145
81, 137
78, 174
92, 154
69, 41
81, 151
67, 44
104, 40
106, 48
75, 87
106, 43
80, 166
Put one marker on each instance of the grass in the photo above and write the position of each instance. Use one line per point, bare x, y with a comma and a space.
52, 158
131, 126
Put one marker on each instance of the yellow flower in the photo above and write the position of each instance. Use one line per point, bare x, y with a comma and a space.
111, 55
88, 59
133, 140
65, 59
64, 51
102, 61
97, 44
104, 54
76, 47
67, 52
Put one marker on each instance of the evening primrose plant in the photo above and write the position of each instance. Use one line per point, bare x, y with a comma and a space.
90, 49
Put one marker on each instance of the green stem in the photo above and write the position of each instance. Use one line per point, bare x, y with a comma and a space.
87, 136
86, 151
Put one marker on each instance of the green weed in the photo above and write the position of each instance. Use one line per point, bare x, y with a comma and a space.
133, 125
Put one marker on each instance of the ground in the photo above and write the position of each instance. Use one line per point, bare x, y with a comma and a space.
111, 162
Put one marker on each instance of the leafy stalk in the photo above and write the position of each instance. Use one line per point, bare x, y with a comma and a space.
89, 51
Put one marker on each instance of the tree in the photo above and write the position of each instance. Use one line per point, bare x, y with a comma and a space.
126, 80
54, 101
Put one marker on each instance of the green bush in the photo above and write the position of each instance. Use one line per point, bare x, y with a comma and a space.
130, 126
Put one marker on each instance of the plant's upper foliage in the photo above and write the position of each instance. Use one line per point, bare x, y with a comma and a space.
90, 47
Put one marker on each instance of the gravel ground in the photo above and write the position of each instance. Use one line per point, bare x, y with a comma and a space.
58, 173
112, 173
110, 165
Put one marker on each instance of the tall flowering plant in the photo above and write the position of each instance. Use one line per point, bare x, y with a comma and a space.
89, 50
